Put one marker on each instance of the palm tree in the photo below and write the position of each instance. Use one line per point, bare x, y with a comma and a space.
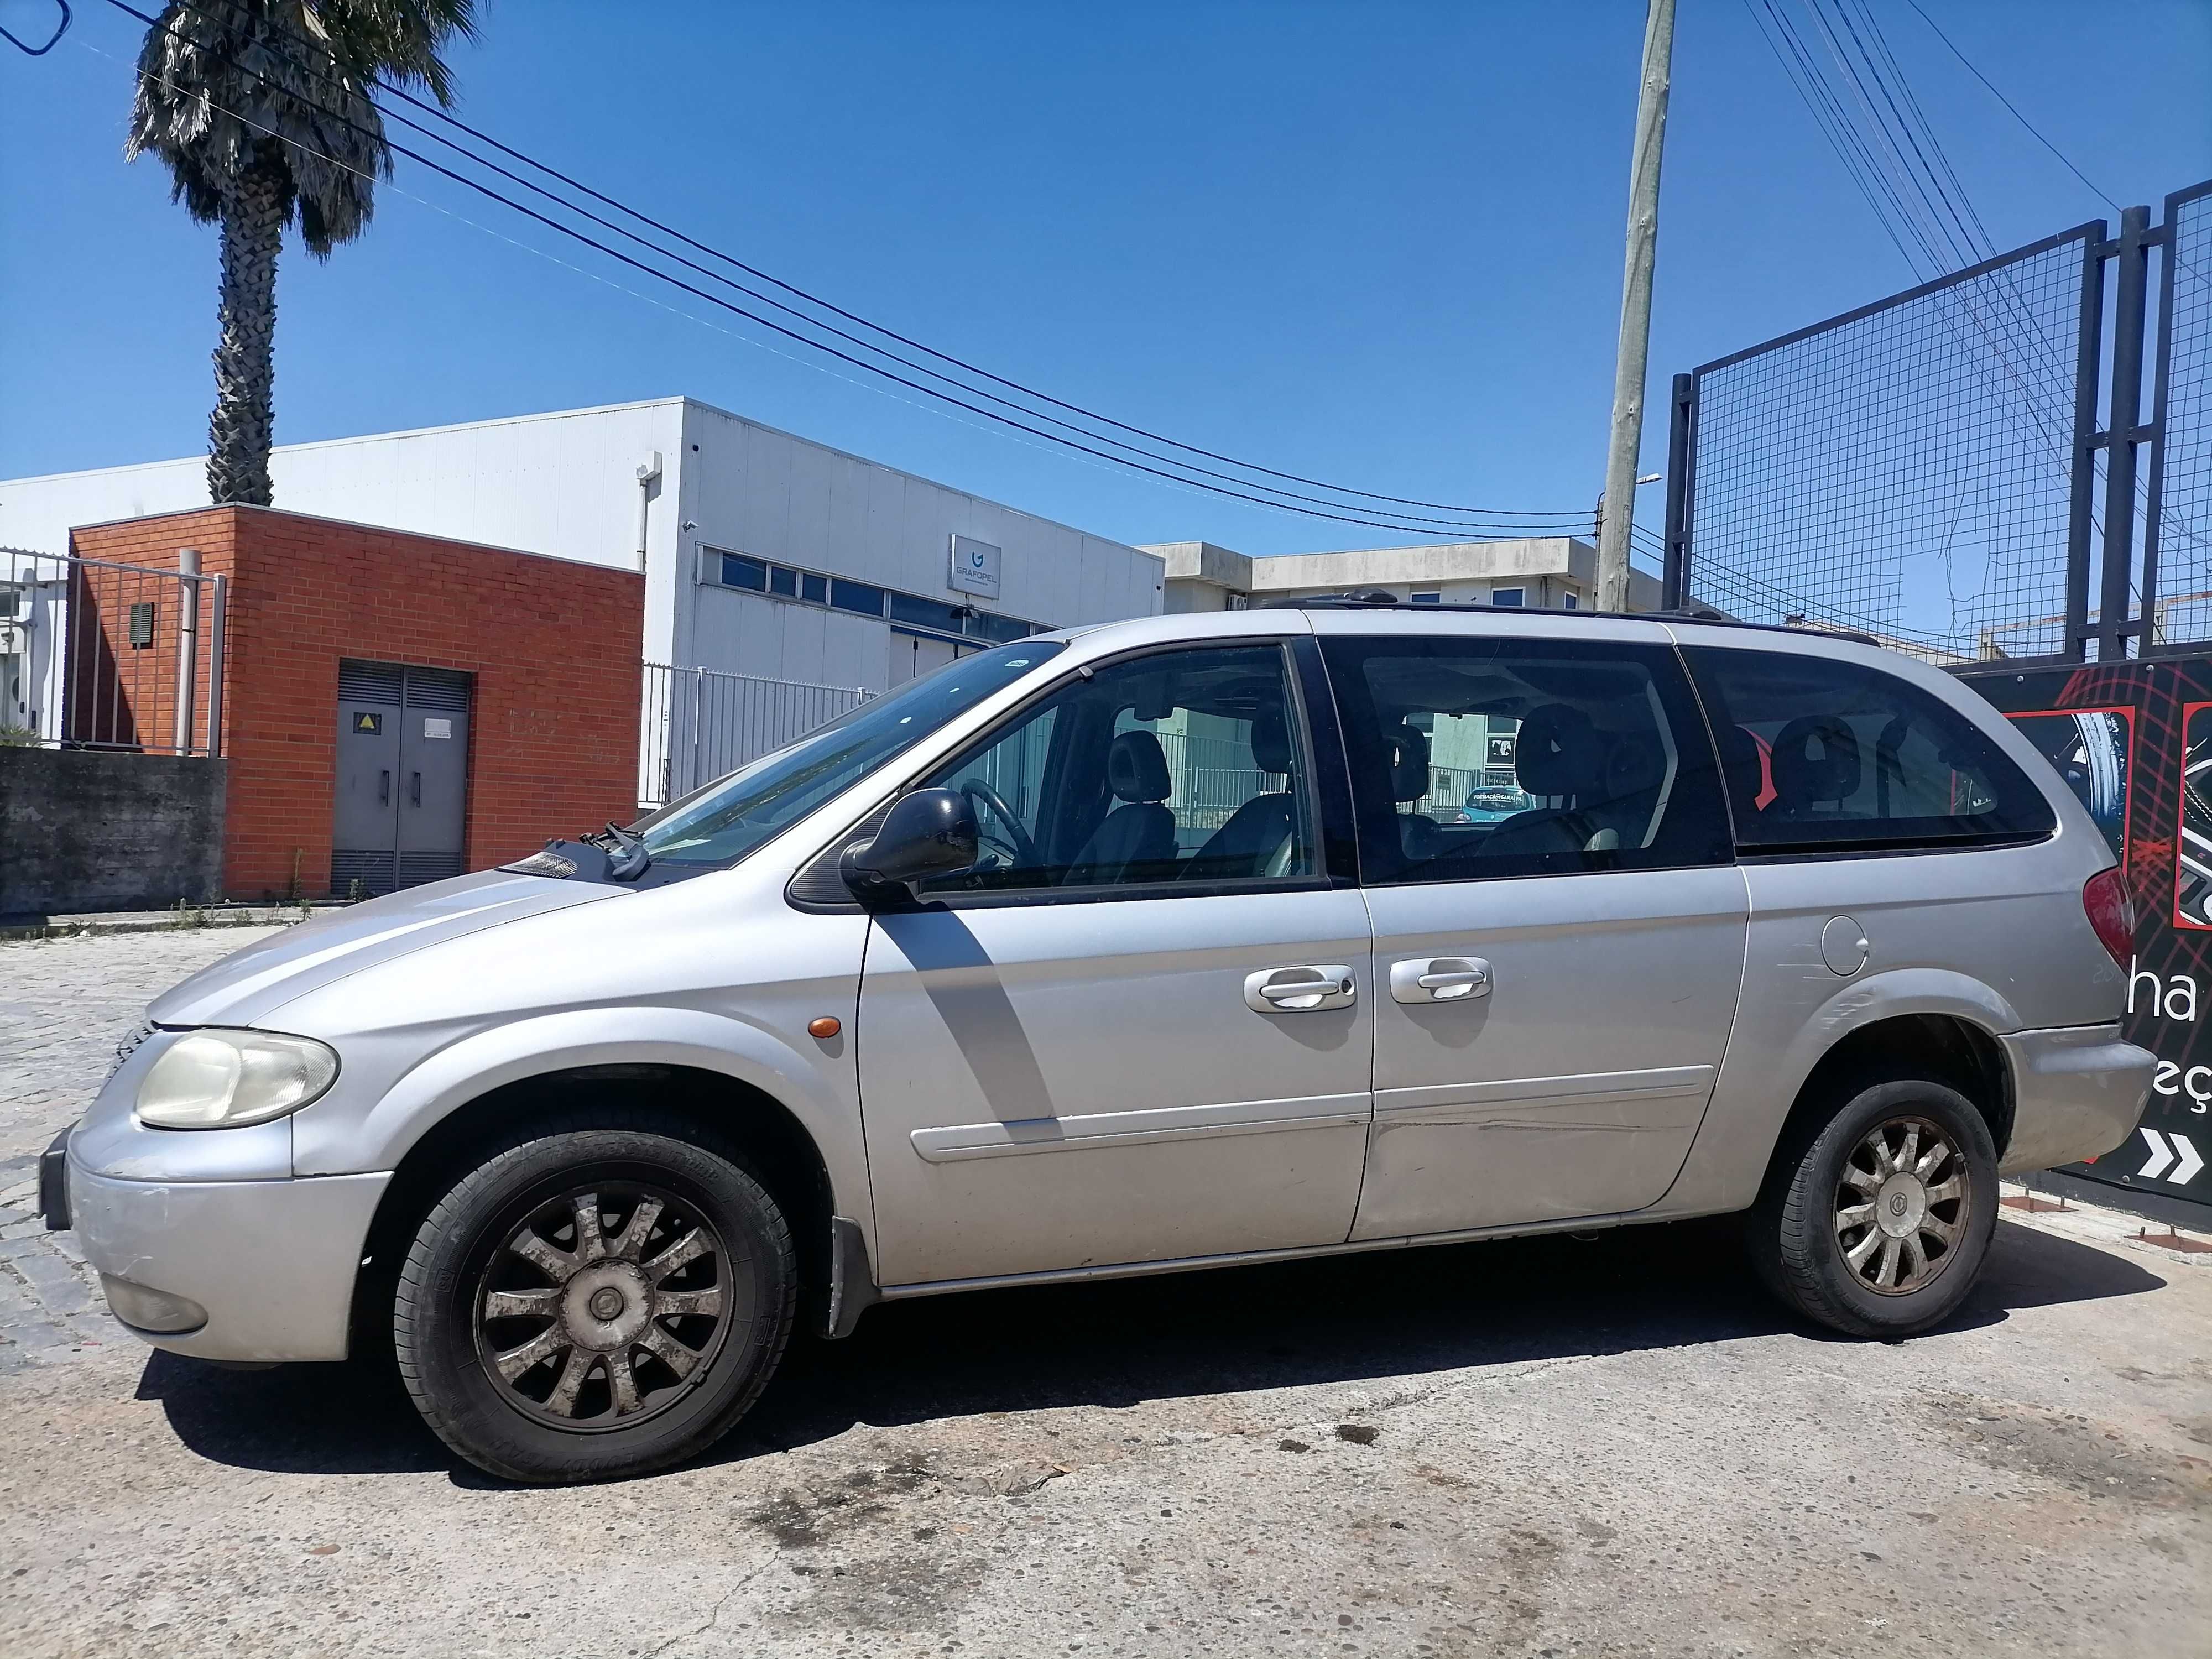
263, 111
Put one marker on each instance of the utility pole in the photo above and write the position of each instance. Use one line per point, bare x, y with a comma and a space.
1635, 309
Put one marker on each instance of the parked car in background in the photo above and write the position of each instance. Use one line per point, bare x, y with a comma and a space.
976, 986
1493, 804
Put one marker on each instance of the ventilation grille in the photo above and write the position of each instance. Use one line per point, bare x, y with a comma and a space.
372, 870
415, 868
438, 688
370, 682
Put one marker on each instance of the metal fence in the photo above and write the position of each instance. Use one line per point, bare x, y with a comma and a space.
702, 724
95, 654
1931, 468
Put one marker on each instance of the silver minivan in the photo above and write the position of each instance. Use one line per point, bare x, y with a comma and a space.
1162, 944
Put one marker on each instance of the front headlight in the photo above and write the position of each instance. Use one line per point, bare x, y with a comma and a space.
213, 1079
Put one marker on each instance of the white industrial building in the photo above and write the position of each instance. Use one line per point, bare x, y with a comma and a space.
1545, 572
764, 554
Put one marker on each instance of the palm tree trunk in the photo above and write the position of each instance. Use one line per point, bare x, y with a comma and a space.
241, 429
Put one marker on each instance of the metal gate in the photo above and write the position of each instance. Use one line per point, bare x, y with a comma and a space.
401, 808
1932, 468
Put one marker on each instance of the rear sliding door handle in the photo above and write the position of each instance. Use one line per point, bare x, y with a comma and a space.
1440, 979
384, 787
1299, 990
415, 791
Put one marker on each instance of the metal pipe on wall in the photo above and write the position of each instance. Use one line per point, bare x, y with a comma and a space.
188, 636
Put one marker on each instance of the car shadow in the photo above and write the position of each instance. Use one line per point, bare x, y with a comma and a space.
1122, 1342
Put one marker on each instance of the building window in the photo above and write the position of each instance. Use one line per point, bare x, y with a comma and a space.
1570, 600
752, 575
1512, 597
859, 598
1428, 598
989, 625
918, 612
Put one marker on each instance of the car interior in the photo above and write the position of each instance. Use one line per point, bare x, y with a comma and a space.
1592, 755
1180, 767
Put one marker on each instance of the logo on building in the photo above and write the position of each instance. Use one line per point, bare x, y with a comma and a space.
974, 567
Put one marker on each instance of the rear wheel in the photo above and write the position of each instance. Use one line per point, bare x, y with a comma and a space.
595, 1302
1876, 1221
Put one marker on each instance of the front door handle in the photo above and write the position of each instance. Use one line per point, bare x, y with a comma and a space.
1300, 990
384, 787
415, 791
1440, 979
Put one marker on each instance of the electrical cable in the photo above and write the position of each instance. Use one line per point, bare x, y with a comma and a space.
1401, 522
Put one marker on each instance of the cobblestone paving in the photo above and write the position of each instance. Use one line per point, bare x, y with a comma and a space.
64, 1004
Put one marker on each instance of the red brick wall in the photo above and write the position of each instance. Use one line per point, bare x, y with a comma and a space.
555, 646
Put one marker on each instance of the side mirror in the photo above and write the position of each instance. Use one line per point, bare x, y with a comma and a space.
929, 833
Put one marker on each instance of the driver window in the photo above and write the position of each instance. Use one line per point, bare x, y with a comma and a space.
1179, 767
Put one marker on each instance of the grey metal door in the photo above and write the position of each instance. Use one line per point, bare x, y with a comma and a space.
401, 809
433, 768
364, 827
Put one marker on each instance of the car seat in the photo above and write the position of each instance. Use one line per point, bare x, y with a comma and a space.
1261, 838
1138, 831
1559, 755
1816, 766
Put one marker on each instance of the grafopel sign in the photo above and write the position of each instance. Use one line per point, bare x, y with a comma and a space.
974, 567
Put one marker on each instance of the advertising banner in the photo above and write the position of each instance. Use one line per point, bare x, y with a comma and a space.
2134, 741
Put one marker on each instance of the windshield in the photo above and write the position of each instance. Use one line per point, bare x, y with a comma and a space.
725, 821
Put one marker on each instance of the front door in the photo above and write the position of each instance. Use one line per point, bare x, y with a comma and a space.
401, 809
1140, 1030
1557, 961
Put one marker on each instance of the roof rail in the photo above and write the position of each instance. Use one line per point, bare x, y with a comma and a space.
1704, 615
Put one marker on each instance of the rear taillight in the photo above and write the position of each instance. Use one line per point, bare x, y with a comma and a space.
2112, 911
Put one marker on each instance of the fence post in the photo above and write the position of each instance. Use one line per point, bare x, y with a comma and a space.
1673, 591
2169, 234
218, 603
2089, 325
2123, 432
188, 639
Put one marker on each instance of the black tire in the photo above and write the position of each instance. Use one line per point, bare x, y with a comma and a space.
1804, 1230
464, 1262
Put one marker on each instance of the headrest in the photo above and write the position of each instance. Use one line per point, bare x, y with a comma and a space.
1557, 752
1271, 741
1746, 779
1408, 750
1635, 765
1816, 758
1136, 768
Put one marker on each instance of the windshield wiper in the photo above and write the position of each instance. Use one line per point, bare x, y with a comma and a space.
627, 856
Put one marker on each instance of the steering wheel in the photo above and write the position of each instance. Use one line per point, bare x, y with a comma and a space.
1016, 840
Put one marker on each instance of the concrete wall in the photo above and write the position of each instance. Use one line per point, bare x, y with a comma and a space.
97, 829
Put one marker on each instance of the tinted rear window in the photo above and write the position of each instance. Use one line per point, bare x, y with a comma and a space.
1821, 753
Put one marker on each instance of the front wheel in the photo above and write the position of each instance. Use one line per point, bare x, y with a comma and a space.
593, 1302
1876, 1222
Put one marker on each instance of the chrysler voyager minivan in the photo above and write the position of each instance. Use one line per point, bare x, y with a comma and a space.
1161, 945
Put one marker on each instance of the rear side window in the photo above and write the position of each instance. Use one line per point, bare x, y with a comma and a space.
1475, 757
1820, 753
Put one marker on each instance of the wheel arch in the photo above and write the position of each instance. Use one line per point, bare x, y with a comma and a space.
779, 1147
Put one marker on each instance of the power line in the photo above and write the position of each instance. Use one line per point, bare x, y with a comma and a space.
2013, 109
1402, 523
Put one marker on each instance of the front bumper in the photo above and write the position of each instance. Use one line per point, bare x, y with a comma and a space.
272, 1263
2078, 1093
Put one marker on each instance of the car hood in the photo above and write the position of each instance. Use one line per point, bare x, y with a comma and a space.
246, 986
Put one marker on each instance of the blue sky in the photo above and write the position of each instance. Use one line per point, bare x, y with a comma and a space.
1378, 244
